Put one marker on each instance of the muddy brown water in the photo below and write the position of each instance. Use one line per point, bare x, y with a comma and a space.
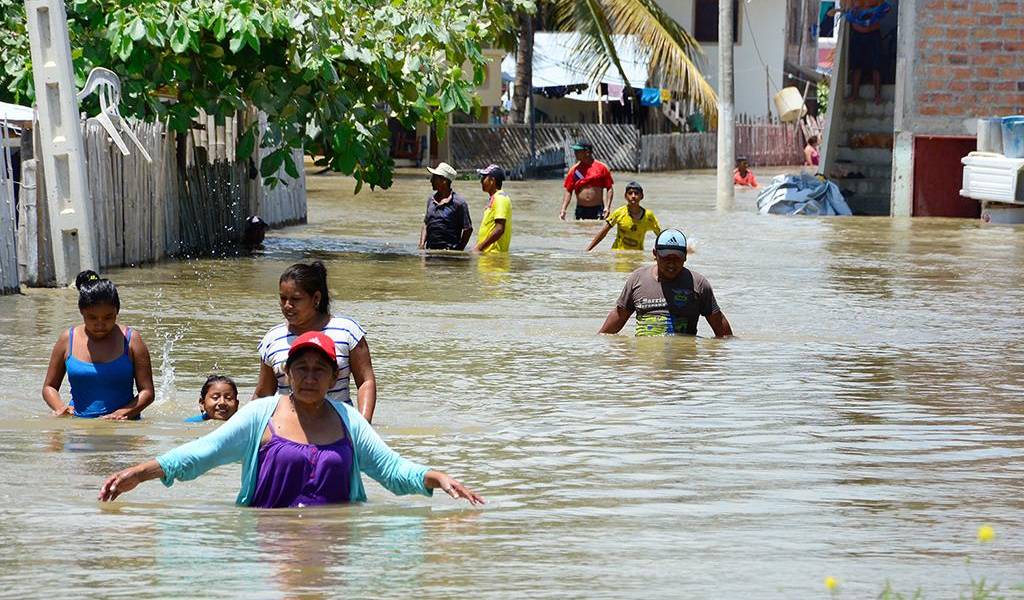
863, 424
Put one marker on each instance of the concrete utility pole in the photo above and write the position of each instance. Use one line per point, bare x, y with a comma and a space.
726, 120
61, 147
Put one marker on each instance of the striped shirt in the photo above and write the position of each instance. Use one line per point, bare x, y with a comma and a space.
345, 332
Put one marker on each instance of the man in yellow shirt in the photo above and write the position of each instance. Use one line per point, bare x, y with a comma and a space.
633, 222
496, 225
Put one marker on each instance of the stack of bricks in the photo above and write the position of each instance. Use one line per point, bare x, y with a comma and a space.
969, 58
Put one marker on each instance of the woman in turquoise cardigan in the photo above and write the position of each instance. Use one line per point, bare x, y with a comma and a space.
298, 449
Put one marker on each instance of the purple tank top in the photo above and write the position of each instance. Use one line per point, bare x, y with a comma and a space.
293, 474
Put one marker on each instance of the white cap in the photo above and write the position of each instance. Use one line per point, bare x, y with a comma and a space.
444, 170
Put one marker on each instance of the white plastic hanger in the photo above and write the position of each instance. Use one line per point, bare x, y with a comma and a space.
107, 86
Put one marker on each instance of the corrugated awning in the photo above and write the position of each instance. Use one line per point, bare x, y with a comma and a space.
554, 64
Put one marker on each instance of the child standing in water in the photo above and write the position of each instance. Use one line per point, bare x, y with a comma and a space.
218, 400
633, 222
104, 362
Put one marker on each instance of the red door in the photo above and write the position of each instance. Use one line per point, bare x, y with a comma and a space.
938, 176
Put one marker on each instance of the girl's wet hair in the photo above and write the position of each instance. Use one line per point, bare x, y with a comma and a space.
212, 379
94, 290
311, 278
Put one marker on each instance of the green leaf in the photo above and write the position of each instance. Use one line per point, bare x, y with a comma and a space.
289, 167
125, 48
219, 28
449, 99
246, 144
137, 29
271, 163
179, 39
236, 43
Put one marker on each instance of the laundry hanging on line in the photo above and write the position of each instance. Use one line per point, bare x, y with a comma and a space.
650, 97
559, 91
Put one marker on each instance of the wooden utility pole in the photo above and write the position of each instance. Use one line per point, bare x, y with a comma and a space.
726, 122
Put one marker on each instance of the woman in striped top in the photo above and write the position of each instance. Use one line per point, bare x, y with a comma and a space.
306, 306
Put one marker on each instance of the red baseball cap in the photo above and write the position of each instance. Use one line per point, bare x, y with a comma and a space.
314, 339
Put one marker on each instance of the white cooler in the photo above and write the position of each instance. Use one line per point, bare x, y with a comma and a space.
998, 183
993, 177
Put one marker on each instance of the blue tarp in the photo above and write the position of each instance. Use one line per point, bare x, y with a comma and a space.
803, 194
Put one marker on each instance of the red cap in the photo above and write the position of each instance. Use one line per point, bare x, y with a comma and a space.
314, 339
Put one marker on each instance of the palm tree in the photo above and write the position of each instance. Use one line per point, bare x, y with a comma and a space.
672, 51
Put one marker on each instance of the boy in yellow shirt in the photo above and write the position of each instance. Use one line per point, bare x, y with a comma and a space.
496, 225
633, 222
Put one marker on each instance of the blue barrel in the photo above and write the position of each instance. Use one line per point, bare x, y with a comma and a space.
1013, 136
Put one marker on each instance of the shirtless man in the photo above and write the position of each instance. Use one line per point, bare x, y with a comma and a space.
864, 17
591, 181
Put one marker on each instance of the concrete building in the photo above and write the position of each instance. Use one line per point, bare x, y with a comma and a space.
945, 64
759, 51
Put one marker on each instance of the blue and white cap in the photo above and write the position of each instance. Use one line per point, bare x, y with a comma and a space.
669, 242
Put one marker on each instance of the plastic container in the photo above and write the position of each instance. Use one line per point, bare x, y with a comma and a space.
990, 135
993, 177
789, 103
1013, 136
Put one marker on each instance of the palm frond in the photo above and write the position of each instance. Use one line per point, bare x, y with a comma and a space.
595, 50
670, 49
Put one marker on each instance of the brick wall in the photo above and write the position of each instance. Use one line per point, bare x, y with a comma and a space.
969, 59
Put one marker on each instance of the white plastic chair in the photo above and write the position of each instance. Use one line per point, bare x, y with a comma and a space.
107, 85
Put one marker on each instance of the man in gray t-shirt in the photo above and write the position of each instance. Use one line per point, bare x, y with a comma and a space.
668, 298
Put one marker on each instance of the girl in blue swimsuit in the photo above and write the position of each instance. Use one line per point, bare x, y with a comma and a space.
105, 362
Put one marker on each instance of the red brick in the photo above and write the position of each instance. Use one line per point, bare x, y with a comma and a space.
1004, 59
991, 46
981, 86
929, 110
958, 59
989, 20
932, 32
983, 59
988, 72
1005, 86
935, 5
1009, 7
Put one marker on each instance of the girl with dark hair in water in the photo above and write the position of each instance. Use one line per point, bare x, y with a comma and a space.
306, 306
105, 362
218, 400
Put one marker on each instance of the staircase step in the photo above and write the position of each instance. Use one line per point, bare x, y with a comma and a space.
871, 206
842, 168
867, 91
868, 109
865, 156
882, 140
864, 186
869, 125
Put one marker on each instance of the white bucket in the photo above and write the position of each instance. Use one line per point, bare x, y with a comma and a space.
990, 135
789, 103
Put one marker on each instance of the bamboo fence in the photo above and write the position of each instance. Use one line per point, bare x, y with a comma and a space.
478, 145
146, 211
763, 142
9, 280
621, 147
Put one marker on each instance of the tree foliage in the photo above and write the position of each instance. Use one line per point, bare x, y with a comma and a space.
676, 56
328, 73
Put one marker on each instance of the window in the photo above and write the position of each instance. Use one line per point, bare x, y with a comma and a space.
705, 20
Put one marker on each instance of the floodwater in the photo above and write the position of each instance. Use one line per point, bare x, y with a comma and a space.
863, 424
